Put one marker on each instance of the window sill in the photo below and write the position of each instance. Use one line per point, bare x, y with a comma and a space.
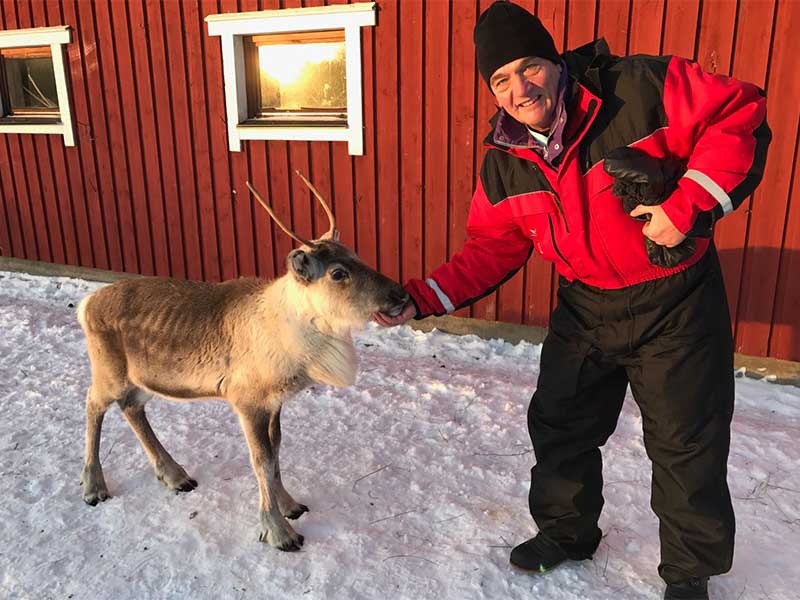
30, 121
269, 123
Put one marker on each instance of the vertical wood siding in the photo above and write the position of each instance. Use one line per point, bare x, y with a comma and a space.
151, 188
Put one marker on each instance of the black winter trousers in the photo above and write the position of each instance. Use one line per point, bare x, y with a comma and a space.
670, 339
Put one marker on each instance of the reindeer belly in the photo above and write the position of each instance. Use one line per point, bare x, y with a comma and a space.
179, 377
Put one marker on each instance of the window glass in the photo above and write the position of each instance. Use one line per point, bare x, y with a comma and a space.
298, 78
29, 81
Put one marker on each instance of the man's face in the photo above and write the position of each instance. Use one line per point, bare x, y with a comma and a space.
527, 89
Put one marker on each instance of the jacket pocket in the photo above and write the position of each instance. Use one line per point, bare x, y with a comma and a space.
537, 215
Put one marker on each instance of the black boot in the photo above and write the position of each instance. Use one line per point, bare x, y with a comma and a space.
538, 554
692, 589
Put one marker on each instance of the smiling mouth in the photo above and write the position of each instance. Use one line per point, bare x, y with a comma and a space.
529, 103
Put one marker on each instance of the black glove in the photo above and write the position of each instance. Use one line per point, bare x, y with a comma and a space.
641, 179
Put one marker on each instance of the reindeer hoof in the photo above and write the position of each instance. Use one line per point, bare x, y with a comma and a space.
292, 545
94, 486
289, 544
176, 479
297, 512
95, 499
186, 486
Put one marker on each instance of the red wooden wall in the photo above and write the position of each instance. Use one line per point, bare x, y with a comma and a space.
151, 187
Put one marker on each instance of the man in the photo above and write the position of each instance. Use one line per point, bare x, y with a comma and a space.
620, 319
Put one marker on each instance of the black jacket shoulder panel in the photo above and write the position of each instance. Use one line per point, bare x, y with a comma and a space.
632, 90
504, 175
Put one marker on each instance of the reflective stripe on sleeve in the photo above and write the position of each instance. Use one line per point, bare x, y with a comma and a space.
448, 306
711, 186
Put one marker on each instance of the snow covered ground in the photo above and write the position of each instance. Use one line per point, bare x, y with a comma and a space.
416, 477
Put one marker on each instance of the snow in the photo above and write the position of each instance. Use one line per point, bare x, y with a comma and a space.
416, 477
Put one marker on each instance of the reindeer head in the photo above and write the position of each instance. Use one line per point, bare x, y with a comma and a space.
333, 282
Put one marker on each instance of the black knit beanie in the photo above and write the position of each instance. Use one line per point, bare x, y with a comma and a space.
507, 32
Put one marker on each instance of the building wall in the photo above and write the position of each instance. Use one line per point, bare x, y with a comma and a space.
151, 187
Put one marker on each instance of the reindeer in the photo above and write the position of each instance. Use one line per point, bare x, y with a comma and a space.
250, 342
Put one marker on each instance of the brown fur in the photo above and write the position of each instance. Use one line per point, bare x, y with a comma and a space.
250, 342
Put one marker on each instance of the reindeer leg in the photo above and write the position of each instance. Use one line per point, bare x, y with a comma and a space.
289, 507
275, 529
92, 480
169, 472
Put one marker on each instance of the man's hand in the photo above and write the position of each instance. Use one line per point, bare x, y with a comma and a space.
659, 228
409, 312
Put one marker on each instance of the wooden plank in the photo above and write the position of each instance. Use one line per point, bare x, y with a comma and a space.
39, 173
50, 198
647, 21
552, 14
102, 159
762, 262
342, 175
77, 181
5, 230
462, 125
148, 136
716, 36
40, 186
35, 248
61, 176
485, 107
301, 197
127, 143
320, 173
613, 18
162, 107
785, 334
411, 139
239, 173
196, 40
11, 210
218, 140
750, 59
679, 35
13, 243
581, 17
319, 156
280, 200
120, 193
367, 231
436, 94
263, 230
714, 52
387, 123
185, 171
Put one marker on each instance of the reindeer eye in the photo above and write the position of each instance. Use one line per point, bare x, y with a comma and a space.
339, 275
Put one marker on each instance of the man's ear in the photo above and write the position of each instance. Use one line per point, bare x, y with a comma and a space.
304, 265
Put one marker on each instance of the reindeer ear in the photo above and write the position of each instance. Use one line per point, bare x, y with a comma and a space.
304, 265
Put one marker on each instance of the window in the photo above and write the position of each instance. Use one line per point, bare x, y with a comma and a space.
29, 84
33, 86
294, 74
297, 79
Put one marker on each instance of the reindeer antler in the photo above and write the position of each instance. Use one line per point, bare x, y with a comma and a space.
331, 234
276, 219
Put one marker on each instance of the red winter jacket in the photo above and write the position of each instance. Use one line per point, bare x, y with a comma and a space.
666, 106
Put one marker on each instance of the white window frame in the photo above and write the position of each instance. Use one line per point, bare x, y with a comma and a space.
55, 37
231, 27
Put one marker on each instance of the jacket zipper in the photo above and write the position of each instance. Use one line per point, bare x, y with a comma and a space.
561, 210
557, 199
553, 237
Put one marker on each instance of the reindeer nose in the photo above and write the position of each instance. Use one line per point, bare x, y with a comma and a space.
399, 296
